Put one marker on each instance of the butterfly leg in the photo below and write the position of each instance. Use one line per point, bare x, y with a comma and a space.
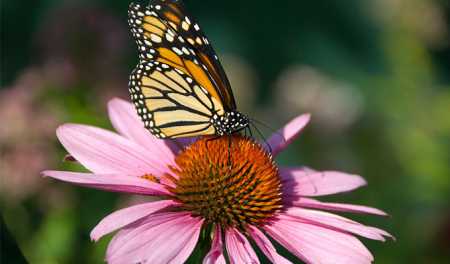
229, 151
263, 138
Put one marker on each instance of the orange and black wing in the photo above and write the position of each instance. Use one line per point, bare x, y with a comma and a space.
170, 103
165, 33
176, 15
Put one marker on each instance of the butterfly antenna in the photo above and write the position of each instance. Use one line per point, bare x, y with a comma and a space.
262, 136
250, 131
268, 127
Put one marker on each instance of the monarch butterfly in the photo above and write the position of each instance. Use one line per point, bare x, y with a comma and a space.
179, 87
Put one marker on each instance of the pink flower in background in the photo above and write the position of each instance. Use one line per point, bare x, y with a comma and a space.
27, 125
240, 197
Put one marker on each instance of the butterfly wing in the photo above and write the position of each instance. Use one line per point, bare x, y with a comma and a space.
165, 33
179, 20
171, 103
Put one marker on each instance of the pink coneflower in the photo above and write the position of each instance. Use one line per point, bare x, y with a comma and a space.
238, 198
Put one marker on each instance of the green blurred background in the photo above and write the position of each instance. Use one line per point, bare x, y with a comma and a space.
374, 74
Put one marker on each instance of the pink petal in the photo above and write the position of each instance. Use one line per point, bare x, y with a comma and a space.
304, 182
102, 151
215, 254
126, 121
336, 222
123, 217
315, 244
110, 182
238, 248
186, 248
340, 207
280, 140
266, 246
163, 238
132, 230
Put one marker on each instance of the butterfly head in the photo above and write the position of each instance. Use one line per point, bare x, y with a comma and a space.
230, 122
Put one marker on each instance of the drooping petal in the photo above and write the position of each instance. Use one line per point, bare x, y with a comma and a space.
337, 222
110, 182
182, 251
102, 151
215, 254
239, 248
126, 121
283, 137
132, 230
126, 216
304, 182
164, 238
315, 244
339, 207
266, 246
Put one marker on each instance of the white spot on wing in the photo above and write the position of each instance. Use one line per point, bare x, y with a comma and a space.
169, 37
155, 38
185, 25
177, 50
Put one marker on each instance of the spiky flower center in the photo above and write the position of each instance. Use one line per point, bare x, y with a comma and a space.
231, 181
